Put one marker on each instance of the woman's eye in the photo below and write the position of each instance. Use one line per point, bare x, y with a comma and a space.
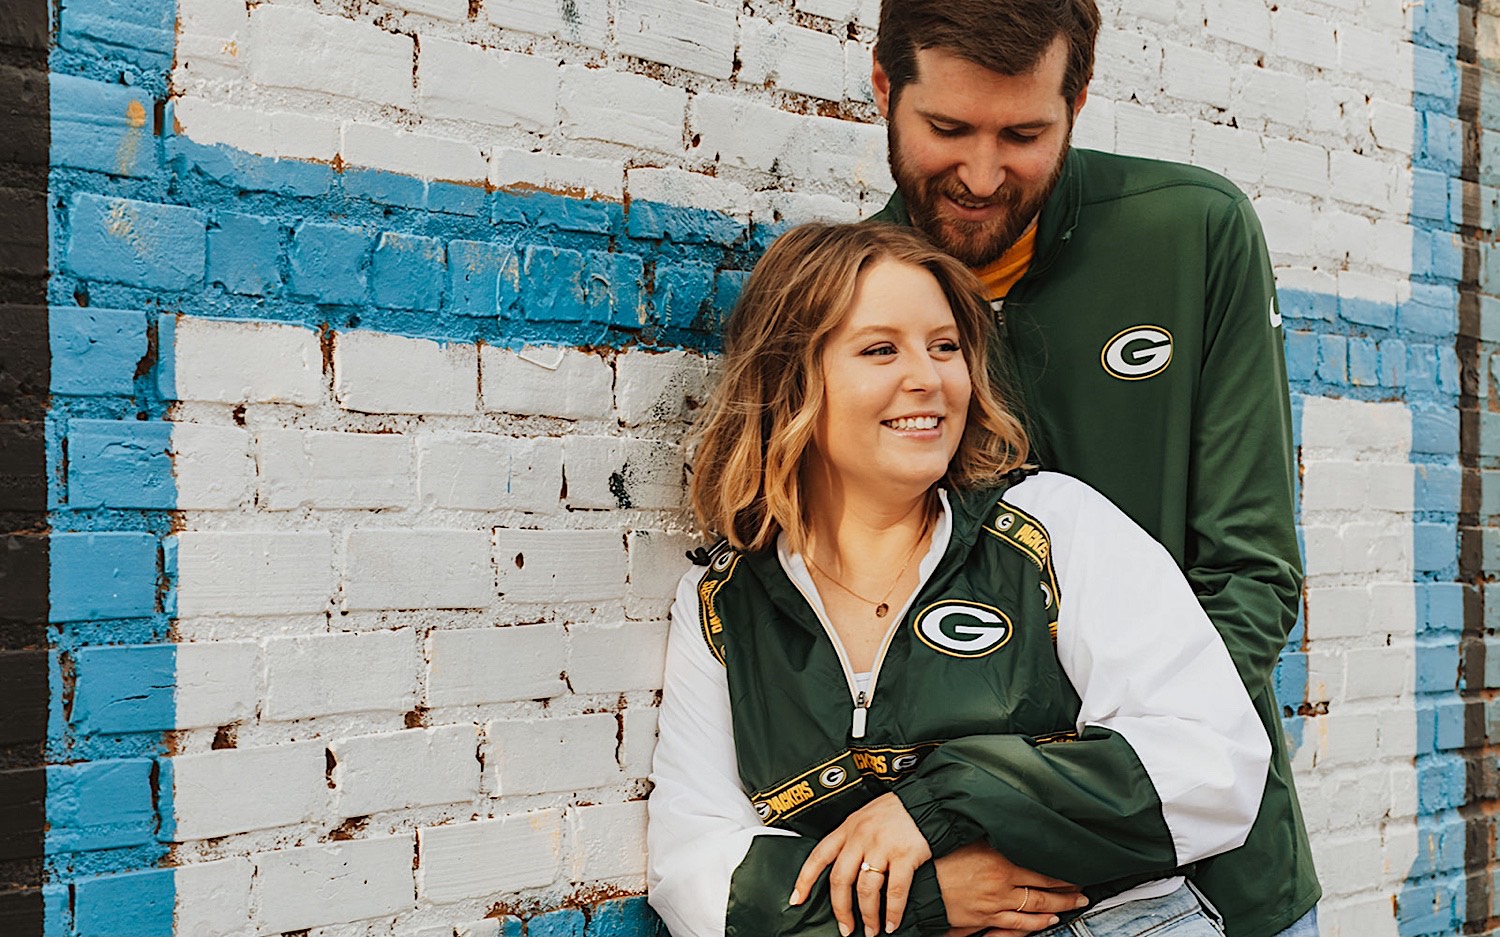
947, 346
880, 350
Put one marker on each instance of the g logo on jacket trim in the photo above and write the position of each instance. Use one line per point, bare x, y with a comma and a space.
1137, 353
962, 629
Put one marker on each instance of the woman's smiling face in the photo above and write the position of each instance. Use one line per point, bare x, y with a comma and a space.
895, 385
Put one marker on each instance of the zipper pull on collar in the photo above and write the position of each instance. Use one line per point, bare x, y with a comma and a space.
861, 709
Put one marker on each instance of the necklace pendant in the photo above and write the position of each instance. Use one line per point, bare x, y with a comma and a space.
881, 609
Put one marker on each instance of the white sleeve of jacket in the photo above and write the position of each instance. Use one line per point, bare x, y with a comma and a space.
700, 819
1148, 664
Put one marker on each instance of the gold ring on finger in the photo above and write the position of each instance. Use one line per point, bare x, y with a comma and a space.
867, 867
1025, 898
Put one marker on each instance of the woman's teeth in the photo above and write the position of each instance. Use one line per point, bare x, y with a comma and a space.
913, 422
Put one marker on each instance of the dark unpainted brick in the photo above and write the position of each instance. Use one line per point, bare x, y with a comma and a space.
25, 360
21, 912
23, 813
23, 717
23, 471
24, 578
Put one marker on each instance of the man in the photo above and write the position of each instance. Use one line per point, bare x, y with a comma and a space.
1140, 324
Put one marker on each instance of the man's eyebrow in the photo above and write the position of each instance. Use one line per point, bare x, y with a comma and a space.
1041, 123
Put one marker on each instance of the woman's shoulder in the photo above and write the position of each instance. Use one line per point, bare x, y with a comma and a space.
1058, 498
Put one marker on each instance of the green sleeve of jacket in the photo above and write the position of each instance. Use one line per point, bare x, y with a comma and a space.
1241, 555
1083, 811
762, 883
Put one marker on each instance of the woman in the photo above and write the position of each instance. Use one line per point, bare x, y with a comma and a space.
912, 660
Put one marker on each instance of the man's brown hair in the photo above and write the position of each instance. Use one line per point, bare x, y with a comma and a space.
1005, 36
757, 428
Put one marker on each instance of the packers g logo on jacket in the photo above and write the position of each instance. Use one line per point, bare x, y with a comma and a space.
962, 629
1137, 353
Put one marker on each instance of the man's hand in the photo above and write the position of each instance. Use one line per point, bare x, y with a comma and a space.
984, 892
876, 849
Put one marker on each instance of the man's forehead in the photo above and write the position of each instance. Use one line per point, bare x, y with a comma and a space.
946, 65
956, 88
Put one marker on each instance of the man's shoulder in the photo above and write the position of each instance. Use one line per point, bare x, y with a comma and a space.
1110, 177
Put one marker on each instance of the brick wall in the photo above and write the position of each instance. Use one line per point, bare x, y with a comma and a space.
373, 332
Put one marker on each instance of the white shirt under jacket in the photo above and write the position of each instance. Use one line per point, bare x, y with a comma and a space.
1141, 654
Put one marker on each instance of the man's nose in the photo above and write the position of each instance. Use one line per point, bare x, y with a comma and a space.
982, 170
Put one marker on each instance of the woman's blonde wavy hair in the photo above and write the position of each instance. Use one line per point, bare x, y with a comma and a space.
757, 428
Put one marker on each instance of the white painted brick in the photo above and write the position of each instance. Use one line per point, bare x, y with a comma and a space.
484, 472
1342, 235
1356, 285
840, 11
1357, 486
464, 82
216, 682
211, 899
565, 753
1301, 278
278, 134
203, 57
1247, 22
245, 362
661, 387
797, 207
584, 23
588, 177
1390, 246
378, 373
333, 470
1347, 427
1288, 225
617, 472
1237, 154
1359, 548
473, 666
1371, 54
273, 786
349, 881
616, 657
1139, 132
827, 150
1304, 37
489, 857
688, 190
657, 560
253, 573
611, 841
1129, 60
1095, 126
1325, 676
1193, 75
454, 10
212, 17
683, 33
640, 740
566, 565
858, 57
1346, 739
789, 57
1348, 863
1394, 126
292, 48
617, 107
412, 154
1300, 167
485, 927
546, 381
380, 670
418, 569
742, 132
1278, 97
413, 768
1377, 673
1360, 179
1398, 738
212, 467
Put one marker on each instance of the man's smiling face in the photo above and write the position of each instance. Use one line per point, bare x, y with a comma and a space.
977, 153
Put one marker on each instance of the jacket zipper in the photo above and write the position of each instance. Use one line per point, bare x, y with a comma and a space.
862, 698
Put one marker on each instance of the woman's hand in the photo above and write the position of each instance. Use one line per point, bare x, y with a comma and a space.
985, 892
878, 848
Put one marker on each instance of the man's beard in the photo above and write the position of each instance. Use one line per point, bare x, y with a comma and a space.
974, 243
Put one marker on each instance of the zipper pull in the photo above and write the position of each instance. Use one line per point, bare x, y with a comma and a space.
861, 708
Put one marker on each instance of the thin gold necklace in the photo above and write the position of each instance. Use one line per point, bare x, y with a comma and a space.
881, 607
